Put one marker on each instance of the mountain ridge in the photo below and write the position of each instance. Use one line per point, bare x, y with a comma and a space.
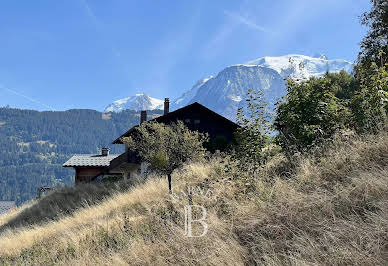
137, 102
225, 92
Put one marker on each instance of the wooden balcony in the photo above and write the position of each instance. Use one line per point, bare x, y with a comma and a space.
128, 157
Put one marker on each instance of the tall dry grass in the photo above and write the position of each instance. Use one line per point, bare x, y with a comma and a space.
331, 211
62, 202
330, 208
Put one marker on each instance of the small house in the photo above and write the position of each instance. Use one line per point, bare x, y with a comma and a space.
89, 166
195, 116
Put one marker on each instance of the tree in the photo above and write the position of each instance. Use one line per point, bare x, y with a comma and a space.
314, 110
253, 136
166, 147
374, 46
370, 102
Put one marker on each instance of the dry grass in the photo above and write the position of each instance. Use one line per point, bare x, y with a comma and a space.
62, 202
328, 210
332, 211
5, 218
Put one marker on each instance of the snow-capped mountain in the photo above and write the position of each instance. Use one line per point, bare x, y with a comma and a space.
190, 94
226, 92
301, 66
138, 102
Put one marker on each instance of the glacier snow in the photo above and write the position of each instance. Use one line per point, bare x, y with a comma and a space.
226, 92
138, 102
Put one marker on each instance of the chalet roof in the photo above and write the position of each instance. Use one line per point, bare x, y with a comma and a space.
82, 160
171, 116
6, 206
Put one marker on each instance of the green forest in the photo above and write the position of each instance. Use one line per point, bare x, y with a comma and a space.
34, 145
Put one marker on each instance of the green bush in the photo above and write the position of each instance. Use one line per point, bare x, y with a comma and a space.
370, 102
253, 135
314, 110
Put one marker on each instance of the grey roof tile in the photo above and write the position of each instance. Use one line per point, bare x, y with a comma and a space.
90, 160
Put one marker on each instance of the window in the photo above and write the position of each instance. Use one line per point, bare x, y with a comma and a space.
187, 120
197, 121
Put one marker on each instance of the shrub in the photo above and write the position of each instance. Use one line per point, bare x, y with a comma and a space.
370, 103
314, 110
253, 136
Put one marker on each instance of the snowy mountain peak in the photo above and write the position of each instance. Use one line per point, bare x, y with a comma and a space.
320, 55
302, 66
226, 92
140, 101
188, 95
323, 56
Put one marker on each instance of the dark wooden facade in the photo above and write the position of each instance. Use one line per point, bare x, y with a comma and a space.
197, 118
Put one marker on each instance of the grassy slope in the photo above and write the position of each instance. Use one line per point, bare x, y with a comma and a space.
330, 209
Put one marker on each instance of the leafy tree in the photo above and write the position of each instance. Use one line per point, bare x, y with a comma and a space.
370, 103
314, 110
166, 147
374, 46
253, 136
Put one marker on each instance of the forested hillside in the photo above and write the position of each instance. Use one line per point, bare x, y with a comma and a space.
34, 145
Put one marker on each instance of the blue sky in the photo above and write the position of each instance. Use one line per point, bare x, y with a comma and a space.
87, 53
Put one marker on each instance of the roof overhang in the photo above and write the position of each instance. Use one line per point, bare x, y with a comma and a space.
169, 116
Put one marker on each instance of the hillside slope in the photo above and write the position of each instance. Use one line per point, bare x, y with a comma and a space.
330, 209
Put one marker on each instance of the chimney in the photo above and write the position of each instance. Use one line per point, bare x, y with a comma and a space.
105, 151
143, 116
166, 105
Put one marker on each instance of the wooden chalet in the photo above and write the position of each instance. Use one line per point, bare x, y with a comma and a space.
195, 116
90, 166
